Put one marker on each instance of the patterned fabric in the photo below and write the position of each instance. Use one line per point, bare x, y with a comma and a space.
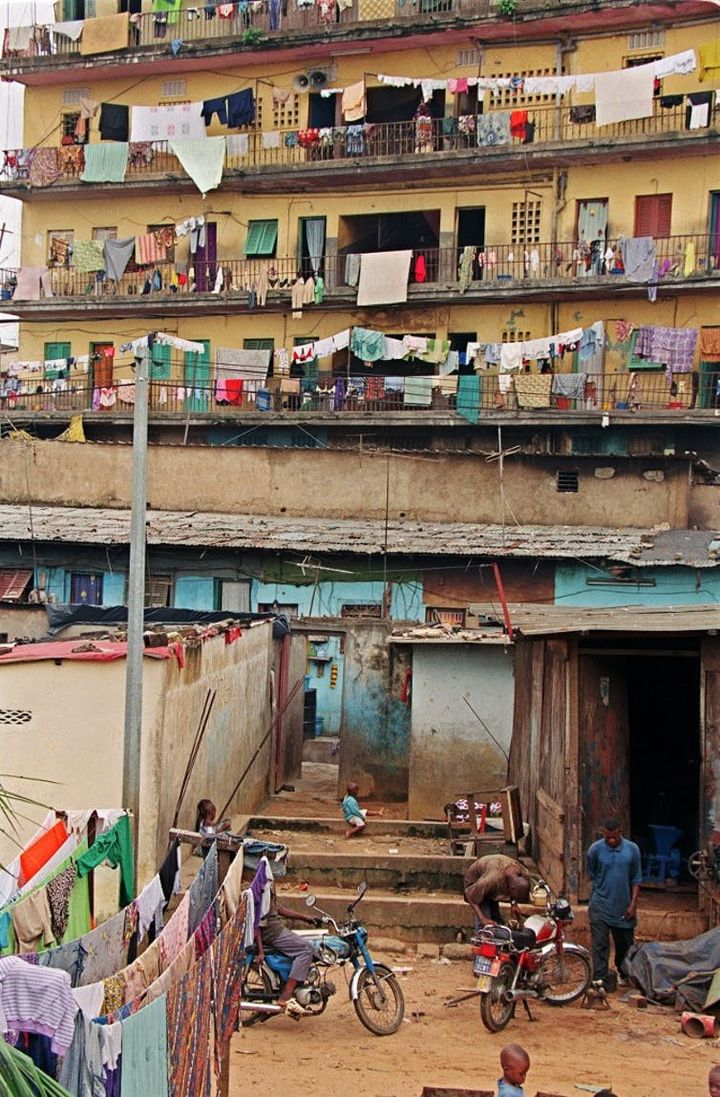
189, 1005
141, 154
114, 994
106, 950
205, 933
674, 347
179, 967
203, 889
71, 160
130, 921
533, 390
226, 954
175, 934
70, 958
58, 891
141, 973
44, 168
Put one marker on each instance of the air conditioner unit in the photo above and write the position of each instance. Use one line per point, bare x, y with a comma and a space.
313, 79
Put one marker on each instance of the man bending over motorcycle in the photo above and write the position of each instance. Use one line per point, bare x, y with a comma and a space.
490, 879
271, 933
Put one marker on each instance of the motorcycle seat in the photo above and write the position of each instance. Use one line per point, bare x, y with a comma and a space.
519, 938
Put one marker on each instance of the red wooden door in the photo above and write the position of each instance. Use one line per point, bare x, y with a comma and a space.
653, 215
205, 260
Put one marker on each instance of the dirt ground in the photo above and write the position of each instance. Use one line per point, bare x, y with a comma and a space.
379, 844
642, 1054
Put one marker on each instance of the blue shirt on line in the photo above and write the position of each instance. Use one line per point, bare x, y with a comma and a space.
614, 873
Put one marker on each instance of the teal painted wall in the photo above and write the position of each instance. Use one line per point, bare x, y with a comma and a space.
194, 592
672, 586
328, 597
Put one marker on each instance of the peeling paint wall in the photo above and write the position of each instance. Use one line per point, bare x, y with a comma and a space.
375, 728
450, 751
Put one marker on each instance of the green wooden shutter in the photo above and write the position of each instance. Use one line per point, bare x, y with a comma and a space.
197, 378
259, 344
261, 238
56, 350
160, 367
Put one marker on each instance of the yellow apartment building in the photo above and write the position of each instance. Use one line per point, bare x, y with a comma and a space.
507, 191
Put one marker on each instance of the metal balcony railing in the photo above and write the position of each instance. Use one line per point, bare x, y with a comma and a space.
492, 268
373, 141
634, 393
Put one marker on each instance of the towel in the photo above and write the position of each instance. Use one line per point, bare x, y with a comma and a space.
104, 35
105, 163
114, 121
88, 255
148, 250
19, 38
117, 254
418, 392
167, 122
709, 54
29, 280
623, 95
353, 102
710, 344
203, 160
638, 256
384, 278
569, 385
533, 389
71, 29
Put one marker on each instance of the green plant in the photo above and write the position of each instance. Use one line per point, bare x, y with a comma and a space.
251, 37
19, 1077
507, 7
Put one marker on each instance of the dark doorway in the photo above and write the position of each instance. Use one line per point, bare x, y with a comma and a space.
471, 227
321, 112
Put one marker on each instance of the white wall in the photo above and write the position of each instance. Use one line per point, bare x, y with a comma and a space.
11, 136
450, 751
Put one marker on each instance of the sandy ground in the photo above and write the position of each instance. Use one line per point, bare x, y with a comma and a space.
643, 1054
316, 796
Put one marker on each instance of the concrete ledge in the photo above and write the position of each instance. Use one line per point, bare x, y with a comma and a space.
419, 873
410, 828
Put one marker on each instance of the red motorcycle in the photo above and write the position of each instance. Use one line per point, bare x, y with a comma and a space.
515, 965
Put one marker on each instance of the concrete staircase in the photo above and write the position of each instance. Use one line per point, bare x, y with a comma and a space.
412, 897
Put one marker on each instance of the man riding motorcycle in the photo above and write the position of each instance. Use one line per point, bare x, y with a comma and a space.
271, 933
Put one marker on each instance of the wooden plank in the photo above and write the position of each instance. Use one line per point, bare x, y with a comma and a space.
550, 867
573, 837
550, 805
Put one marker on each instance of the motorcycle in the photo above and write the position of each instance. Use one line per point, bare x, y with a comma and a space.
374, 990
536, 961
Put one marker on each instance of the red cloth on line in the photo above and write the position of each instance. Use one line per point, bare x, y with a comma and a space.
234, 390
40, 852
420, 272
518, 124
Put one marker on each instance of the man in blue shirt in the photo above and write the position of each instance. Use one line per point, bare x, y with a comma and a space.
613, 865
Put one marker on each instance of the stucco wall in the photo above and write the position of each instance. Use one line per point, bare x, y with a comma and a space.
375, 727
23, 621
450, 751
345, 484
241, 716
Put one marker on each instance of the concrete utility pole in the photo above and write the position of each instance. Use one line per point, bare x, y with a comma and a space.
136, 594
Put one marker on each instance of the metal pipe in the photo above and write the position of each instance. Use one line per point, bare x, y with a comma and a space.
136, 598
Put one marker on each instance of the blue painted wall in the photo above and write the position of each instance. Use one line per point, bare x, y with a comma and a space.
327, 598
329, 696
195, 592
672, 586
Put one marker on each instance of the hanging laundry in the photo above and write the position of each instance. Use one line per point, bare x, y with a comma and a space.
638, 256
674, 347
698, 111
82, 1071
58, 893
518, 124
88, 256
32, 922
533, 390
147, 250
241, 108
271, 139
162, 123
367, 345
212, 107
384, 278
203, 160
105, 34
105, 163
145, 1051
494, 128
114, 846
44, 167
418, 392
238, 144
114, 122
353, 102
623, 95
35, 999
511, 356
116, 256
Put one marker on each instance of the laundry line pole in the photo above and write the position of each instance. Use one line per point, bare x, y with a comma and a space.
136, 596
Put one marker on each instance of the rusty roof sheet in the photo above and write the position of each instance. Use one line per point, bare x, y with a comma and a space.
92, 525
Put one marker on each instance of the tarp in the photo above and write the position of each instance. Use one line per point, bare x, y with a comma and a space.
86, 651
676, 973
61, 616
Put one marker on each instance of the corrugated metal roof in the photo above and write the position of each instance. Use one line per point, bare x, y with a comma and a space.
93, 526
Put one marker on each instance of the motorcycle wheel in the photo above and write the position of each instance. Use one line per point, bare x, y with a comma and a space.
257, 979
382, 1018
495, 1011
566, 976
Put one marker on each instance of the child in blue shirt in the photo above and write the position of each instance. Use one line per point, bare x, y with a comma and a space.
354, 814
515, 1063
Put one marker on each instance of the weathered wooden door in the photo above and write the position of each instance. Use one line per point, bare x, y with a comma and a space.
710, 711
604, 748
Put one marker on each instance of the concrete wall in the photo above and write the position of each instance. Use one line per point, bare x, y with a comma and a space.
23, 621
672, 586
240, 718
375, 729
450, 751
297, 482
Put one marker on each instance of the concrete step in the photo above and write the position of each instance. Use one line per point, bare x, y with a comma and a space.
439, 919
393, 871
398, 828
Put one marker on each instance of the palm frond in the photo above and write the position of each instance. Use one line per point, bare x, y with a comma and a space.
19, 1077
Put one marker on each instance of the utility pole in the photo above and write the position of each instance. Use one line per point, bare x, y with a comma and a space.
136, 594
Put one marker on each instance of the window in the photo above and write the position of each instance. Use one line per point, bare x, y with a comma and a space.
290, 609
86, 589
653, 214
15, 716
509, 336
59, 247
641, 59
469, 57
261, 238
287, 115
163, 228
14, 584
526, 217
68, 126
361, 609
566, 480
54, 351
174, 89
507, 97
104, 234
158, 589
441, 615
232, 595
646, 39
259, 344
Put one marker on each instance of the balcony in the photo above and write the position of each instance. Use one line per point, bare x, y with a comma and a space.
500, 272
386, 152
275, 29
626, 395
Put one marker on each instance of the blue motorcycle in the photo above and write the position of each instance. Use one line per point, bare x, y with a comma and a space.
374, 990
